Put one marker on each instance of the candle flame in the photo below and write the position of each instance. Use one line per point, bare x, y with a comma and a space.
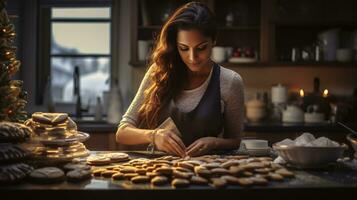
302, 94
325, 93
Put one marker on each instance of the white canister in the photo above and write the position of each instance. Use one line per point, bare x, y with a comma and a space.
330, 42
143, 49
279, 94
218, 54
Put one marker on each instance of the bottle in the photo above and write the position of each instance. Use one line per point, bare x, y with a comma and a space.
98, 110
229, 19
115, 109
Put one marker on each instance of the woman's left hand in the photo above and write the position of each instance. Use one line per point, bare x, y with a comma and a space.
201, 146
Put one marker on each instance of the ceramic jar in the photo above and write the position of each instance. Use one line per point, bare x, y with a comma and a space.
293, 114
255, 110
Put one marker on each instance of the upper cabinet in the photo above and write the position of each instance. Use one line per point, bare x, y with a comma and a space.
315, 32
261, 32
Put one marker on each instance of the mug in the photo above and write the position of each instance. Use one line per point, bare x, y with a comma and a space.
255, 144
218, 54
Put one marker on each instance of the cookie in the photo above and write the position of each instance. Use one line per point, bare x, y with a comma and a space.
275, 177
14, 173
98, 160
202, 171
285, 173
164, 170
181, 175
76, 166
98, 172
78, 175
49, 118
230, 163
259, 180
159, 180
108, 173
219, 171
118, 176
230, 179
118, 157
47, 175
198, 180
180, 183
9, 153
219, 183
11, 132
245, 182
140, 179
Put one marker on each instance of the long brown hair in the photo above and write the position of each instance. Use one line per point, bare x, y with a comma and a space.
168, 72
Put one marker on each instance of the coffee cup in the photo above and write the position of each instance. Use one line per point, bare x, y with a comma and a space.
218, 54
255, 144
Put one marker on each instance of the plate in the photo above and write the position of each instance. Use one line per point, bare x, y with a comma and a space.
259, 152
241, 60
79, 137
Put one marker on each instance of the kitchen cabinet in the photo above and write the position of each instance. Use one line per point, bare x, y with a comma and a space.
238, 25
307, 30
270, 28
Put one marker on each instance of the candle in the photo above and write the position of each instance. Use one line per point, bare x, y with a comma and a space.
325, 93
302, 94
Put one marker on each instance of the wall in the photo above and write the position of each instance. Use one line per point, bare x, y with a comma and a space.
338, 80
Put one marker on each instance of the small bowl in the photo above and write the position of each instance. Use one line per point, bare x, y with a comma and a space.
353, 140
309, 157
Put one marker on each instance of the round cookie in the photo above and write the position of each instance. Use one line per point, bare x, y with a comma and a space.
159, 180
49, 118
98, 160
14, 132
180, 183
14, 173
78, 175
47, 175
76, 166
118, 157
10, 153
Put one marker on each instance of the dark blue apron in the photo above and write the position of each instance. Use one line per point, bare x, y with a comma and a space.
206, 119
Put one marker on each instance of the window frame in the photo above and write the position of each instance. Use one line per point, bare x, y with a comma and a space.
44, 43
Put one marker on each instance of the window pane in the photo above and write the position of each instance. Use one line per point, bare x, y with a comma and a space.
94, 78
81, 13
80, 38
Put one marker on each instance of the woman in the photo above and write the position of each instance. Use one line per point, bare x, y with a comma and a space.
204, 100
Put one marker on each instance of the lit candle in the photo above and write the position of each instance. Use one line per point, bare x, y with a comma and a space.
325, 93
302, 93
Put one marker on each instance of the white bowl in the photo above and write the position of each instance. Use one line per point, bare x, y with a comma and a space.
255, 144
309, 157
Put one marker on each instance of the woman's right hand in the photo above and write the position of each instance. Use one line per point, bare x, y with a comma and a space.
166, 140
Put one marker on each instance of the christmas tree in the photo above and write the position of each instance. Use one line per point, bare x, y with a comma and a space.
12, 97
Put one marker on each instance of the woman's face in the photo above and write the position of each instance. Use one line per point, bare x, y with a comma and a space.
194, 49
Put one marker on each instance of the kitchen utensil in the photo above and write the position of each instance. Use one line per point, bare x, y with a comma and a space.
348, 128
255, 110
309, 156
330, 41
218, 54
254, 147
345, 55
293, 114
279, 94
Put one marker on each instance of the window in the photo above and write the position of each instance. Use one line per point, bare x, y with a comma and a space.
80, 37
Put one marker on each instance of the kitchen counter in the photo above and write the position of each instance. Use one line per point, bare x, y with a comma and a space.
339, 179
104, 127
